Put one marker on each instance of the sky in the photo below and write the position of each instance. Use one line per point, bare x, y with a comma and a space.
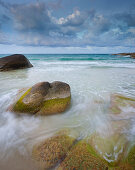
67, 26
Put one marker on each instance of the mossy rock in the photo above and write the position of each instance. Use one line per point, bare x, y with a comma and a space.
54, 106
50, 152
112, 148
123, 167
20, 106
44, 99
119, 101
82, 157
131, 156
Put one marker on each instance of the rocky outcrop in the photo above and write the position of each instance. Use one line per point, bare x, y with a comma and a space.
106, 150
44, 99
53, 150
13, 62
65, 151
82, 156
132, 55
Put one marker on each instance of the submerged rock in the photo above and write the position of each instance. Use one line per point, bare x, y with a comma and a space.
50, 152
118, 126
81, 157
13, 62
118, 102
112, 148
44, 99
131, 156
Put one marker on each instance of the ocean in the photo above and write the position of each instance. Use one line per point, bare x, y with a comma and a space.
92, 78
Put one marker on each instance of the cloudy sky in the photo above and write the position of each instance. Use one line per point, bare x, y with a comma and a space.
67, 26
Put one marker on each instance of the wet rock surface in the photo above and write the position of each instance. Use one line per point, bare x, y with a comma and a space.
44, 99
14, 62
53, 150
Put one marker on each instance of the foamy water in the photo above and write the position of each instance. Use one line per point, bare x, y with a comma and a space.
92, 79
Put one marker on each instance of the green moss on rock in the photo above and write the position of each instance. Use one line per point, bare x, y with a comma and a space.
82, 157
46, 108
125, 98
111, 148
131, 156
52, 150
115, 109
21, 107
123, 167
44, 99
54, 106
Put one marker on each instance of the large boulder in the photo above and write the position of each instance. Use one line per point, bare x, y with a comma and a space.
44, 99
13, 62
52, 150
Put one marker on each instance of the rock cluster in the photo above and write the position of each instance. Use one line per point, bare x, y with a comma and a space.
97, 151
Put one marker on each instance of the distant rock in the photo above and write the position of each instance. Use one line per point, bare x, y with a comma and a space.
13, 62
132, 55
44, 99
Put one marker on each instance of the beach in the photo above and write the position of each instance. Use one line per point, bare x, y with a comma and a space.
93, 78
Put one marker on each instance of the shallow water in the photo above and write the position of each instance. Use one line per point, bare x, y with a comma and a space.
92, 79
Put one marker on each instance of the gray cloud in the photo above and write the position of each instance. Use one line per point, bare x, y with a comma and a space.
32, 17
55, 5
36, 17
35, 24
127, 18
5, 5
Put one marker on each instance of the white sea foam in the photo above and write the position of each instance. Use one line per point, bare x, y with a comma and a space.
85, 64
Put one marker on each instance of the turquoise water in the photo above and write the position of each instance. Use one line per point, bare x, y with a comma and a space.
101, 58
91, 78
92, 60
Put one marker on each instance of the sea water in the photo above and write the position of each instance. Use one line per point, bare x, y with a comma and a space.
92, 78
